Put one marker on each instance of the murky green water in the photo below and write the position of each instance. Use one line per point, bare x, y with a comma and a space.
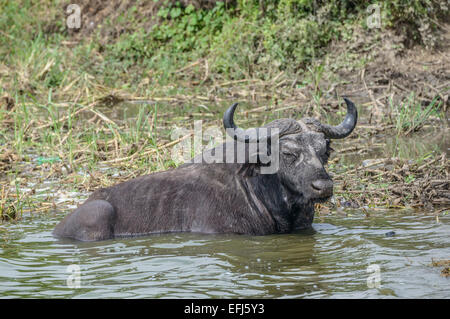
330, 261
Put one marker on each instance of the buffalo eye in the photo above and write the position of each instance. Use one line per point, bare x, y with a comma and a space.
290, 154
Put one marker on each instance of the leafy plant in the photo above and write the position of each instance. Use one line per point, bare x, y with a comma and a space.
411, 115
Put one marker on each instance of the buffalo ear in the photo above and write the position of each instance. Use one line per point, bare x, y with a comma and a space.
250, 169
253, 169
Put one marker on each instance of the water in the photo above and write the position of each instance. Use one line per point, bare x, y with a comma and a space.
330, 261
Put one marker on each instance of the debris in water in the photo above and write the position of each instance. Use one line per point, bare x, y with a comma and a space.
8, 210
7, 213
390, 234
445, 272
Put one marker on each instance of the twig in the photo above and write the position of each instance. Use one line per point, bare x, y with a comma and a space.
128, 158
189, 66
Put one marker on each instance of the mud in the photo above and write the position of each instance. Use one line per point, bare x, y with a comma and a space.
394, 70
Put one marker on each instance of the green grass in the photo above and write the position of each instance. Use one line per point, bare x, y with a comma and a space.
228, 42
411, 115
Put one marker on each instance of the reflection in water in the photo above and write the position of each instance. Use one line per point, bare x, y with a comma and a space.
329, 261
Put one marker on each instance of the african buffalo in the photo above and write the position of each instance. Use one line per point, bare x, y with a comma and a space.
221, 197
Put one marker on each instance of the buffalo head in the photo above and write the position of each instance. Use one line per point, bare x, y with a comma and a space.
304, 148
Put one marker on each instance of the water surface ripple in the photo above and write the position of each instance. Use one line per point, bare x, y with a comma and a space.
330, 261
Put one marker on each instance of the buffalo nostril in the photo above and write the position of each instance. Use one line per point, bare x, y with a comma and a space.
324, 187
318, 185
